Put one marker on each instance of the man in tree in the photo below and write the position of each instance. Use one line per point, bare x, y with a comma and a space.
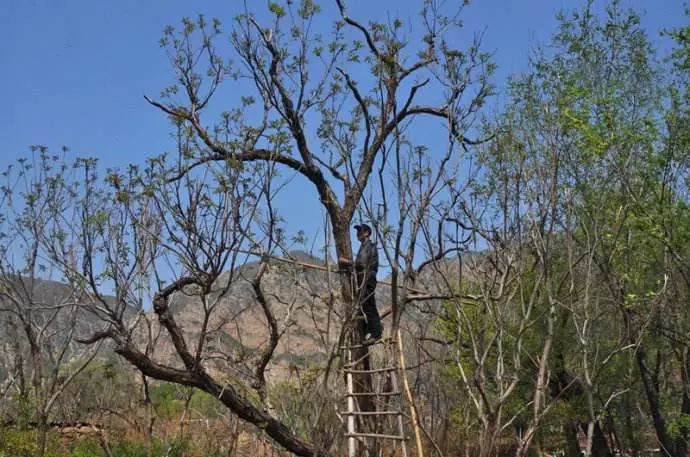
365, 267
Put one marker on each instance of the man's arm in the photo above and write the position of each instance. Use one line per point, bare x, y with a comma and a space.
345, 263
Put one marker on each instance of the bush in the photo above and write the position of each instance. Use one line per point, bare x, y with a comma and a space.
87, 447
167, 399
173, 448
15, 442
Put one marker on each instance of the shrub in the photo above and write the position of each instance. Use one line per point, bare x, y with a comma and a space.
16, 442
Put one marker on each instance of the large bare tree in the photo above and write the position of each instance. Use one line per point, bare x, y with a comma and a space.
326, 109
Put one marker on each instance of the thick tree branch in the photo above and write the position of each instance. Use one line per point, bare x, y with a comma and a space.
246, 411
444, 113
166, 319
311, 171
273, 334
199, 379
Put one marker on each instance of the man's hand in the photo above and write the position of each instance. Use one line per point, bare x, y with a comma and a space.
344, 262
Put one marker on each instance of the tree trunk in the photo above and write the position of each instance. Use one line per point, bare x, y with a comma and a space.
631, 441
539, 397
684, 434
524, 441
42, 426
362, 381
572, 440
600, 447
488, 438
652, 395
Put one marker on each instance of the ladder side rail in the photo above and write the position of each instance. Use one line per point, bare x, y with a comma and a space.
351, 418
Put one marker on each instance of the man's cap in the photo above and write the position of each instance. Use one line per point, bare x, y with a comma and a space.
364, 227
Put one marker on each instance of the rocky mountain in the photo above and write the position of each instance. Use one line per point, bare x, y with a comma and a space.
43, 304
302, 293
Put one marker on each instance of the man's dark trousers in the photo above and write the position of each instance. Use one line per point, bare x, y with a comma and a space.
371, 323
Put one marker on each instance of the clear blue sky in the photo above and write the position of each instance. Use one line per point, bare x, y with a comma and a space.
74, 72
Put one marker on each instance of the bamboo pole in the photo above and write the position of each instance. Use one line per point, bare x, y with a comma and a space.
408, 393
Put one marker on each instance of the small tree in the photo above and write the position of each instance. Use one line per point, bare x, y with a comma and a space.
42, 318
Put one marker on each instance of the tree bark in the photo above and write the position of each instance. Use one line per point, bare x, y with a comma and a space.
600, 447
488, 438
572, 448
681, 442
42, 427
652, 395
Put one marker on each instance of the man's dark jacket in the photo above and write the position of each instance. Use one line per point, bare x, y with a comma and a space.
367, 263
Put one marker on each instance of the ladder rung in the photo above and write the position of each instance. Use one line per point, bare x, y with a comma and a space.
377, 370
371, 413
357, 362
370, 394
374, 435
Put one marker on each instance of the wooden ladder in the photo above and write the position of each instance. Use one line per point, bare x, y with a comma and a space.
385, 392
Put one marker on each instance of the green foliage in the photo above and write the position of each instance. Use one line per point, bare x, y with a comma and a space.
276, 9
581, 163
87, 447
204, 404
103, 384
679, 426
127, 448
299, 404
167, 399
308, 9
15, 442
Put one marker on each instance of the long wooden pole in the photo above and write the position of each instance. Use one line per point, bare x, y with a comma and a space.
408, 393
